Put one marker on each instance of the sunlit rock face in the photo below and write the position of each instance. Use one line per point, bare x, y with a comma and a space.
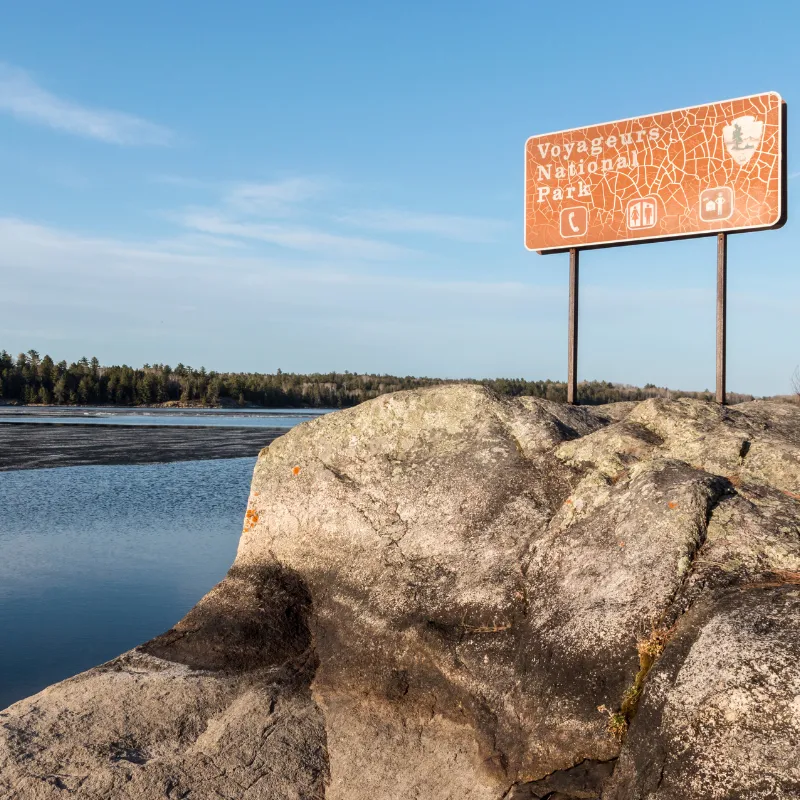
443, 594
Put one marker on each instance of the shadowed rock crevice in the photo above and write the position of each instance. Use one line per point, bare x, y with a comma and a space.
256, 618
721, 490
584, 781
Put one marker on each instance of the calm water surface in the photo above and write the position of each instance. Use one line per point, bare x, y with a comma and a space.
94, 560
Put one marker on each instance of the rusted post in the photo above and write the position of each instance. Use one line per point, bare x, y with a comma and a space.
722, 290
572, 357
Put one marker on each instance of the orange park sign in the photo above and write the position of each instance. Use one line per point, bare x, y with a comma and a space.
709, 169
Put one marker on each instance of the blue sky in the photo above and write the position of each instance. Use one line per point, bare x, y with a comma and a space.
338, 186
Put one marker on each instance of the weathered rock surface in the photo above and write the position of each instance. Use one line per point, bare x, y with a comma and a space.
721, 713
441, 594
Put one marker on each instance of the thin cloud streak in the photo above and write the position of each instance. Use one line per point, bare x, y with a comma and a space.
242, 202
182, 182
24, 99
26, 245
273, 199
295, 238
449, 226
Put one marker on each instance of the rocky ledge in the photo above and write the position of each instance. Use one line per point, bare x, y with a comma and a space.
442, 594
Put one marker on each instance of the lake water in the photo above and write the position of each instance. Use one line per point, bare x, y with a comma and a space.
95, 560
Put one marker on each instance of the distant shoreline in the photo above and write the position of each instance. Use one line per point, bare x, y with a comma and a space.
34, 379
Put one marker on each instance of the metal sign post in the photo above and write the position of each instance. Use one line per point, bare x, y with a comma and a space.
572, 356
722, 291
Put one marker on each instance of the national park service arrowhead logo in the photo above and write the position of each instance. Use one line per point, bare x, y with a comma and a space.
742, 138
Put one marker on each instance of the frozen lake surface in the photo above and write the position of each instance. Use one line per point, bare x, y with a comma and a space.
34, 438
212, 417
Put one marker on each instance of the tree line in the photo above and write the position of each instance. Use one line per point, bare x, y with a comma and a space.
32, 379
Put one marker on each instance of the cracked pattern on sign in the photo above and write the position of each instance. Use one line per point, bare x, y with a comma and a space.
582, 186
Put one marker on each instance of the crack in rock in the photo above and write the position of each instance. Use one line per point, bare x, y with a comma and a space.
584, 781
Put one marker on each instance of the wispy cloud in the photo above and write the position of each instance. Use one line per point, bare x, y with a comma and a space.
30, 246
296, 214
293, 237
27, 246
448, 226
794, 175
182, 182
24, 99
273, 199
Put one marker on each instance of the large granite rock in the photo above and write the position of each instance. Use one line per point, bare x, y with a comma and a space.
441, 594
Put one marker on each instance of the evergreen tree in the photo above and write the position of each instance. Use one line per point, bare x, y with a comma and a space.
61, 392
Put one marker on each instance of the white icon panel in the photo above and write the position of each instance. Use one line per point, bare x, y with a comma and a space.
574, 221
716, 204
641, 213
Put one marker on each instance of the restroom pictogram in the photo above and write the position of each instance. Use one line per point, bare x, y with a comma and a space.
642, 213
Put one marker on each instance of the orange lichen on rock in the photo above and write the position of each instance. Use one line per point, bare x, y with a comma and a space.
295, 470
250, 519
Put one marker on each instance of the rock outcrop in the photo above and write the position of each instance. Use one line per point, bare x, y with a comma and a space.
443, 594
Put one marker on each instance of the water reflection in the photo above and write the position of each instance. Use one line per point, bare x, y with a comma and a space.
94, 560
